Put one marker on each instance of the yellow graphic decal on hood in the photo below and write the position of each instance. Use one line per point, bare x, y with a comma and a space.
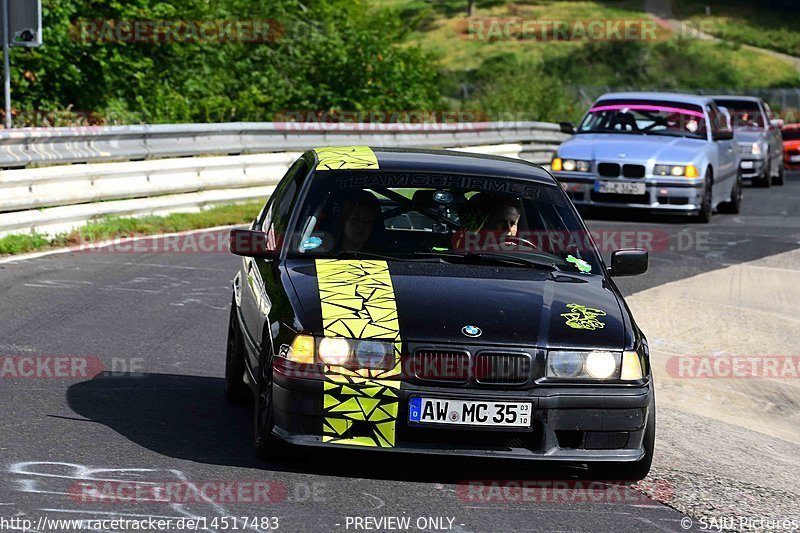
347, 158
583, 317
358, 302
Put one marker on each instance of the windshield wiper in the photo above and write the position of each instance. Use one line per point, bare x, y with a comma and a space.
491, 257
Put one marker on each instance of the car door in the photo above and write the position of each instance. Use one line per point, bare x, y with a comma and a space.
727, 161
273, 220
774, 138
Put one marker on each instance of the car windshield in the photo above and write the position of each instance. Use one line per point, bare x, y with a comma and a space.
746, 115
791, 135
643, 117
447, 218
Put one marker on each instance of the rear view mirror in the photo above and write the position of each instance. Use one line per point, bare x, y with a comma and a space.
567, 127
251, 243
629, 262
776, 123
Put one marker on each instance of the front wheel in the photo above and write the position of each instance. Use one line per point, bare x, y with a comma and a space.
236, 390
780, 179
268, 446
734, 205
765, 180
706, 208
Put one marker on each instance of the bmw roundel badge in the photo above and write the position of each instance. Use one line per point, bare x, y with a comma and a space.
471, 331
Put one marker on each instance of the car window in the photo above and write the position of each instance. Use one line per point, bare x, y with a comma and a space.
405, 215
746, 114
645, 117
274, 218
720, 122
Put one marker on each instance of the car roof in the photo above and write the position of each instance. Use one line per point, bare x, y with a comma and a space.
680, 98
735, 97
449, 162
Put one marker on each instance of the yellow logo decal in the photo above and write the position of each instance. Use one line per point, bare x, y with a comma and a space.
347, 158
582, 317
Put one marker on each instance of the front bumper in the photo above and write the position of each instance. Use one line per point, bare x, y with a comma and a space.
751, 167
569, 423
683, 196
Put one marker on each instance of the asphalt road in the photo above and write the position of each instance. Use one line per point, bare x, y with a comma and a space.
164, 316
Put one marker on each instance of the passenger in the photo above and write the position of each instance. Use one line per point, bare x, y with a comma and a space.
356, 222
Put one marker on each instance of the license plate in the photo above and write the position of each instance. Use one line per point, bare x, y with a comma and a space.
619, 187
794, 158
469, 413
747, 165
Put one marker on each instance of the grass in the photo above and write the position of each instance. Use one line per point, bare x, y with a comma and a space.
744, 23
441, 26
115, 227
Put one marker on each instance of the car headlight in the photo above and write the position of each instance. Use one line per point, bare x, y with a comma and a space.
571, 165
337, 351
601, 365
756, 149
334, 351
687, 171
302, 350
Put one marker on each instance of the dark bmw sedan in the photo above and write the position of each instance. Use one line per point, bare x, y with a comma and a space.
436, 302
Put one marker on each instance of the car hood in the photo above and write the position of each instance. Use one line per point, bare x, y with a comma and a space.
624, 147
791, 145
511, 306
748, 136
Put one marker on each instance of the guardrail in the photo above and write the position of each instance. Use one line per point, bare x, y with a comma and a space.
26, 147
181, 168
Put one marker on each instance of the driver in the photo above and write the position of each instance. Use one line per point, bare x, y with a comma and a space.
504, 218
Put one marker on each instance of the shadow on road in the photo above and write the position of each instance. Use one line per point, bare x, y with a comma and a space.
186, 417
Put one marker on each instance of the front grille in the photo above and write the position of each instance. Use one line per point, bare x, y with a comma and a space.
633, 171
608, 170
746, 148
502, 368
441, 365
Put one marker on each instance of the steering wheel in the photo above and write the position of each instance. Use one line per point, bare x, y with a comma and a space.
519, 241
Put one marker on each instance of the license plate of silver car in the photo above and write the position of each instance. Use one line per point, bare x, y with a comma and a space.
619, 187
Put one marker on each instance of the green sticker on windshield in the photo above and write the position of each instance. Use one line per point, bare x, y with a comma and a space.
582, 317
580, 264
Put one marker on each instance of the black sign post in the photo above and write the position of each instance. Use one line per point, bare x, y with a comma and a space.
22, 26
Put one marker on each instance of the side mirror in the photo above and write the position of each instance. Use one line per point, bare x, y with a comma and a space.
251, 243
567, 127
776, 123
629, 262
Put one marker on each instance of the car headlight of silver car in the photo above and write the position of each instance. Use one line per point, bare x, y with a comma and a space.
571, 165
756, 149
595, 365
678, 171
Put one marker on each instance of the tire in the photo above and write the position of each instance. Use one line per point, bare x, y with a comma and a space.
707, 209
734, 205
236, 390
269, 447
780, 179
765, 180
636, 470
